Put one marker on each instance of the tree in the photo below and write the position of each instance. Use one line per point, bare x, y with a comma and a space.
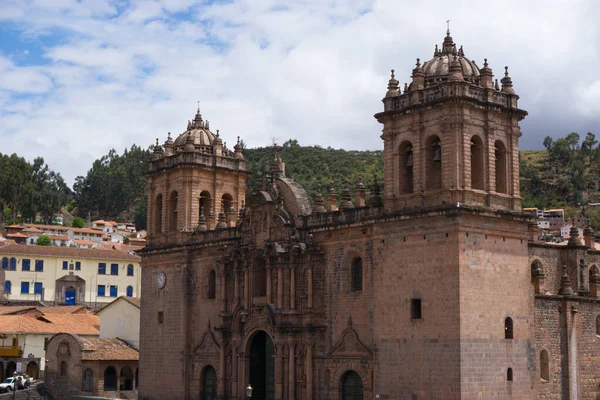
44, 240
78, 222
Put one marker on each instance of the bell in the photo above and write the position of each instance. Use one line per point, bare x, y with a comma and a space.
437, 156
409, 160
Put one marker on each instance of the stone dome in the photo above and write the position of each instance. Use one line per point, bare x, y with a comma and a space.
199, 131
437, 69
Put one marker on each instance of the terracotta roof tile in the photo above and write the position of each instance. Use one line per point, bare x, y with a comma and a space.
50, 324
55, 251
96, 348
62, 310
16, 235
7, 310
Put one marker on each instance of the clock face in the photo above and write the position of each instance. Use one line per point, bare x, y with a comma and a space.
161, 280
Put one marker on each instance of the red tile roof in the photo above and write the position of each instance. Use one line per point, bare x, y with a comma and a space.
79, 324
72, 252
97, 348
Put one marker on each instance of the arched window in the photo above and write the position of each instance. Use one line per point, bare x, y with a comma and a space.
352, 386
406, 168
110, 379
158, 211
544, 366
259, 278
126, 379
205, 204
130, 270
63, 368
13, 264
7, 287
88, 380
4, 263
477, 163
508, 328
212, 284
209, 383
173, 212
501, 173
433, 163
509, 375
129, 291
356, 275
227, 202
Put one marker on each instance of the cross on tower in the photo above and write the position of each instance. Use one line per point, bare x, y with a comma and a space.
448, 25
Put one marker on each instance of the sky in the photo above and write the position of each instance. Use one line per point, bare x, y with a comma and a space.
79, 77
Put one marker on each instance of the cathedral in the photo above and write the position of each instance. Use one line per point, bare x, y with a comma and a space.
429, 285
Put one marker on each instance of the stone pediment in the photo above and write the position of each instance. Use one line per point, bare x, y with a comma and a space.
350, 345
70, 278
208, 344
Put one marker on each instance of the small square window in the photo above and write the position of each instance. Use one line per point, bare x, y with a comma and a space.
101, 290
415, 308
26, 264
39, 265
78, 265
114, 269
101, 268
65, 265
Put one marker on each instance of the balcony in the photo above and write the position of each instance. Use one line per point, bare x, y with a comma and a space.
10, 351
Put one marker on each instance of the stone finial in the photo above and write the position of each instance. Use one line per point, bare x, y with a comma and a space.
486, 75
202, 225
436, 52
461, 52
589, 237
507, 86
189, 143
158, 151
346, 202
318, 202
496, 86
574, 236
392, 86
375, 194
332, 201
455, 72
222, 220
238, 149
168, 145
418, 77
565, 284
359, 193
405, 87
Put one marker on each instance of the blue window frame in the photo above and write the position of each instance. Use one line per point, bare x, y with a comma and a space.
24, 287
65, 265
78, 265
113, 291
129, 291
26, 264
39, 265
130, 270
101, 268
37, 288
101, 290
5, 263
13, 264
114, 269
7, 287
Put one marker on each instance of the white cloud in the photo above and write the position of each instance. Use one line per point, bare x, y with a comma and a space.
313, 70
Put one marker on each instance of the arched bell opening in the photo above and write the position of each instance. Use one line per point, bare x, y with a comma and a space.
501, 172
477, 163
405, 168
433, 163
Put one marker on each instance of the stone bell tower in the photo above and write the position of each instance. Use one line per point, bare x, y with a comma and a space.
194, 183
451, 135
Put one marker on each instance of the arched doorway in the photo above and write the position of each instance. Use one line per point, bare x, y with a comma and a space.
126, 379
33, 370
11, 367
1, 372
70, 296
352, 386
209, 384
262, 367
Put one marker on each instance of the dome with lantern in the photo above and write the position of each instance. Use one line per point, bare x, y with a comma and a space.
438, 68
199, 135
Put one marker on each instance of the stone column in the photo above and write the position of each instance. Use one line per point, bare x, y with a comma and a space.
236, 286
268, 271
243, 374
279, 284
246, 287
310, 286
292, 284
309, 372
279, 372
221, 387
234, 374
292, 373
223, 289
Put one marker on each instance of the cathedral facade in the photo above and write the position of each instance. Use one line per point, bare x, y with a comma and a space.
434, 288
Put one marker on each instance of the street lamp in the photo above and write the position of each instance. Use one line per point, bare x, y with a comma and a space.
249, 392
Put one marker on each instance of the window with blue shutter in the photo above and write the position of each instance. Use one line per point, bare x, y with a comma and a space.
113, 291
13, 264
129, 291
7, 287
26, 264
5, 263
65, 265
24, 287
78, 265
37, 288
130, 270
114, 269
39, 265
101, 290
101, 268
